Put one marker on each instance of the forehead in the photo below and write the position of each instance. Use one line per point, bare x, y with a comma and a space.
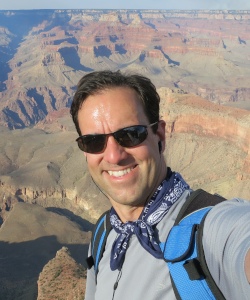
115, 107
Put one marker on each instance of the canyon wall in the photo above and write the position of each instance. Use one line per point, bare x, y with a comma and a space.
201, 52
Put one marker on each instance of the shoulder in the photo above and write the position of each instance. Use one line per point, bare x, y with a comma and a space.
227, 212
226, 224
226, 240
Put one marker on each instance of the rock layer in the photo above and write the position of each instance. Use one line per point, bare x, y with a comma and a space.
202, 52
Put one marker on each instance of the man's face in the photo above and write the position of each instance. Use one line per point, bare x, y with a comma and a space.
128, 176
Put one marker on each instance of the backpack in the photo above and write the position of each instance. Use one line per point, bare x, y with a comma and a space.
183, 250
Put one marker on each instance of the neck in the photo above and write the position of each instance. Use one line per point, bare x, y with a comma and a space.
128, 213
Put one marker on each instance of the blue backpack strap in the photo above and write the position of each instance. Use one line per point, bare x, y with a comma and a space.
183, 250
98, 241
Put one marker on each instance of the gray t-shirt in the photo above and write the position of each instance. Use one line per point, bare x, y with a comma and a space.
143, 277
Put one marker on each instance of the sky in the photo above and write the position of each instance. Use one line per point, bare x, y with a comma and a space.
124, 4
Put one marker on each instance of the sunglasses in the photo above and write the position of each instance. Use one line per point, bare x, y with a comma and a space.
126, 137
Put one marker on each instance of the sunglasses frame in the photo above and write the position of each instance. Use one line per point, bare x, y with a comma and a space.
79, 140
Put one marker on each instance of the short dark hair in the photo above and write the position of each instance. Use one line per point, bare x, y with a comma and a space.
92, 83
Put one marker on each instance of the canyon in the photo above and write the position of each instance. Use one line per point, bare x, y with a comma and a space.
200, 64
201, 52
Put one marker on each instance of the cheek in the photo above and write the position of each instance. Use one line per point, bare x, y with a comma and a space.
139, 153
144, 153
150, 149
93, 161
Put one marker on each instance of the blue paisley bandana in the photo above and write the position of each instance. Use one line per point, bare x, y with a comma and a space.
164, 197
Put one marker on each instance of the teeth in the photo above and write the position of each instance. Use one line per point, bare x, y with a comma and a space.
119, 173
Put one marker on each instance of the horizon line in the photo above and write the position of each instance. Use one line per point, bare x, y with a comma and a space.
151, 9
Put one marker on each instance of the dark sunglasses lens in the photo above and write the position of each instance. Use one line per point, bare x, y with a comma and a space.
126, 137
92, 143
131, 136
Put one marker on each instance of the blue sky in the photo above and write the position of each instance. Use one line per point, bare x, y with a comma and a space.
127, 4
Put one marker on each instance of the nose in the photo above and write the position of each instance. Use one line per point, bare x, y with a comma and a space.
114, 152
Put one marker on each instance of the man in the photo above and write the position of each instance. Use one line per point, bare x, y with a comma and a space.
123, 139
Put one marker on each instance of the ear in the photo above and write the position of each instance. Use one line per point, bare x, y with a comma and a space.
161, 134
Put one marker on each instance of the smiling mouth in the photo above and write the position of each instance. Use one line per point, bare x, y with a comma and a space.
121, 172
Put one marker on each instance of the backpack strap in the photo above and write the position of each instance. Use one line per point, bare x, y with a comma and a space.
198, 199
183, 250
98, 241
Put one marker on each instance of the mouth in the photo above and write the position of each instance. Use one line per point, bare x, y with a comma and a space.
120, 173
